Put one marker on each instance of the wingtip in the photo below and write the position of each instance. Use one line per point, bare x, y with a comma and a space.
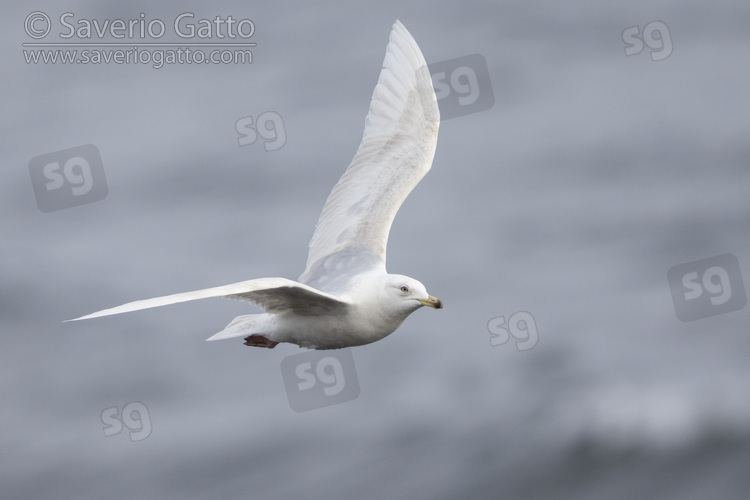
399, 26
98, 314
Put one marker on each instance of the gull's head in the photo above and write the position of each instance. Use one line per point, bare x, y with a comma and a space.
407, 294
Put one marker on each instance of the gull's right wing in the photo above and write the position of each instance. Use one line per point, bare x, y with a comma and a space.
274, 295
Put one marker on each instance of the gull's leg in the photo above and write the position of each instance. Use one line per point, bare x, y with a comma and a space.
260, 341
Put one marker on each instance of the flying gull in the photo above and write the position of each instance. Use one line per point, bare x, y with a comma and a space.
345, 297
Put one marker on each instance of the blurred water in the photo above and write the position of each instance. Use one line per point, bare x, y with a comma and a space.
591, 176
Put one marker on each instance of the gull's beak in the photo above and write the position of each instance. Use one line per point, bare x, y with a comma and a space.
431, 301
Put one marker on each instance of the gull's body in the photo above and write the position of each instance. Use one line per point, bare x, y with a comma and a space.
345, 297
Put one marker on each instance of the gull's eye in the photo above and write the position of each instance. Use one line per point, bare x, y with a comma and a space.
404, 288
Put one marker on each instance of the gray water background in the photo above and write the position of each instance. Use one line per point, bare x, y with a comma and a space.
591, 176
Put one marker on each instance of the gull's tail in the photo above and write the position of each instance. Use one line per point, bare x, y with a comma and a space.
263, 325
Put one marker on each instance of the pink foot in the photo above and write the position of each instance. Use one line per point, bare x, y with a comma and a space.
260, 341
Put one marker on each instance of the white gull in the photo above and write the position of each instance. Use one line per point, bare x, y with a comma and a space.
345, 297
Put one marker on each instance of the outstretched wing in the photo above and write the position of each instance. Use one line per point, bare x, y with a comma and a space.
274, 295
395, 153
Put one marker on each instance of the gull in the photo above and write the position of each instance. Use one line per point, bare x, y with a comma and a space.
345, 297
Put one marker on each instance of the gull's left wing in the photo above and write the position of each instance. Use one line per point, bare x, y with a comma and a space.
396, 151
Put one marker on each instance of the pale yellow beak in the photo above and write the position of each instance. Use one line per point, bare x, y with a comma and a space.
431, 301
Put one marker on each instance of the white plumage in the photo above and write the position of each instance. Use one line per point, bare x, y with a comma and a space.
345, 296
